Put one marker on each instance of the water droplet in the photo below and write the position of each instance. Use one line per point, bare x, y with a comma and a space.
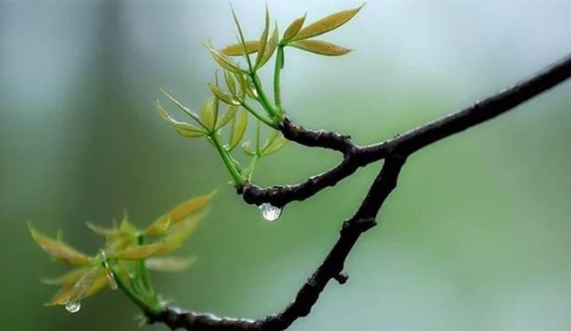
73, 306
111, 280
269, 212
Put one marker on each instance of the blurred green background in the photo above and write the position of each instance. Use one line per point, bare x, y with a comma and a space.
476, 237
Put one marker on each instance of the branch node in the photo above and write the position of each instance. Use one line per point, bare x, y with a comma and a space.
341, 278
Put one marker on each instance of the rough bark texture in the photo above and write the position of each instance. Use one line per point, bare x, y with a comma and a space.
394, 152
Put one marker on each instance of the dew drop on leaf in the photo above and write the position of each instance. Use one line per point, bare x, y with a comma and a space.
269, 212
73, 306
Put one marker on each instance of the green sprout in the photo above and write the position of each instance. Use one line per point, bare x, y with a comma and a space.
125, 259
244, 89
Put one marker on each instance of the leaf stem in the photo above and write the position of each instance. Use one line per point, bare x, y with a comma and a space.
277, 77
132, 296
264, 101
227, 159
258, 115
143, 270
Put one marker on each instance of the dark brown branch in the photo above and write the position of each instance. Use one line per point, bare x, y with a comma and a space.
321, 138
307, 296
404, 144
395, 152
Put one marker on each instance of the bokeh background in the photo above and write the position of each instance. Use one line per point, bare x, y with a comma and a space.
476, 237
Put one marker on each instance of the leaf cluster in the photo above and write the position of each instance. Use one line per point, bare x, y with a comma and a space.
126, 257
243, 88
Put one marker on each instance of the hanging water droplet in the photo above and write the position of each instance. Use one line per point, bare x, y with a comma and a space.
73, 306
269, 212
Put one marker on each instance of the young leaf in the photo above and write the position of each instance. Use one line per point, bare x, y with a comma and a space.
179, 234
180, 105
320, 47
82, 286
263, 40
241, 38
238, 50
224, 61
274, 146
168, 264
247, 150
271, 137
58, 250
87, 284
188, 207
66, 279
223, 96
208, 114
239, 129
326, 24
243, 86
185, 129
138, 252
158, 227
189, 131
230, 82
270, 46
126, 227
227, 117
251, 89
294, 28
104, 232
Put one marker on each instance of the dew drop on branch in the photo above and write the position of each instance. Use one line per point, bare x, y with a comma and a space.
73, 306
269, 212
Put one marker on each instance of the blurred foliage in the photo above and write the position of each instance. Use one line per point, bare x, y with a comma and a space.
474, 238
125, 259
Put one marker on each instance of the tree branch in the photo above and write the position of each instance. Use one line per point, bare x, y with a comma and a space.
395, 152
307, 296
404, 144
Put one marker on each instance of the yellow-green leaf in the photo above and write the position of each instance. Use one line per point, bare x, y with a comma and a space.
66, 279
138, 252
158, 227
58, 250
239, 129
79, 290
294, 28
183, 128
104, 232
126, 227
189, 131
224, 61
270, 46
326, 24
238, 50
178, 234
208, 114
227, 117
263, 40
271, 138
243, 86
275, 146
223, 96
247, 150
188, 111
251, 89
320, 47
230, 82
188, 207
168, 264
